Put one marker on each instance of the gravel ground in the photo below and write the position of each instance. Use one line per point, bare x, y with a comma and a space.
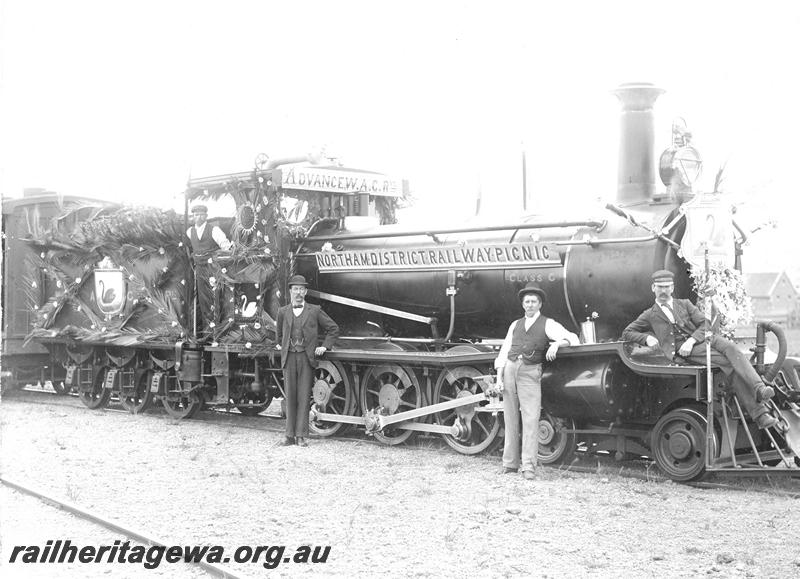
396, 510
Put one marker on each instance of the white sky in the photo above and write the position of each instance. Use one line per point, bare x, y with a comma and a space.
123, 100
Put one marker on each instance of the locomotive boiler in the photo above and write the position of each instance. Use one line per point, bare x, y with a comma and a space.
423, 312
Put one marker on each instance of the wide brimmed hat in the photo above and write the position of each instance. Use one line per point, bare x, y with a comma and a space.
297, 280
532, 288
199, 209
663, 276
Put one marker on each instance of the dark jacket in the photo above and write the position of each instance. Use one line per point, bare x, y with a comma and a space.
313, 319
654, 322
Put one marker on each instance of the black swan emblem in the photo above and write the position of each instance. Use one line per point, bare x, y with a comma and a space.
108, 295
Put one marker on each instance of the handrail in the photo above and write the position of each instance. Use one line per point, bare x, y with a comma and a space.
434, 232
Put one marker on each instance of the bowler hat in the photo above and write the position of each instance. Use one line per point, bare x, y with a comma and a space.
199, 209
532, 288
297, 280
663, 276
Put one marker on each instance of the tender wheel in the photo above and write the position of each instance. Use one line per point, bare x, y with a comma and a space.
98, 396
332, 394
482, 426
182, 405
253, 403
140, 398
555, 445
394, 389
678, 442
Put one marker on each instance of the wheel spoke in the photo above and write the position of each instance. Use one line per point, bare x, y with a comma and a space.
446, 418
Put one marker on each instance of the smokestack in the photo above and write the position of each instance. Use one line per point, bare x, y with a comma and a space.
636, 176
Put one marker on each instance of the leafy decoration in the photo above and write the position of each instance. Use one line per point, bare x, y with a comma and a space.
725, 286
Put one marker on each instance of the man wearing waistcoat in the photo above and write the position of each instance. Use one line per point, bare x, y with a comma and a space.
297, 327
530, 341
204, 241
677, 327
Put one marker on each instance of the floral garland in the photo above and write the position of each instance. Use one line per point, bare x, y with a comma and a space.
725, 286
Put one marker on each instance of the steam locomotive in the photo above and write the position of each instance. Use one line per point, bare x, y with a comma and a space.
422, 311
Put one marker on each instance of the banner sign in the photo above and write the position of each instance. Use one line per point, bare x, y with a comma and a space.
499, 256
340, 181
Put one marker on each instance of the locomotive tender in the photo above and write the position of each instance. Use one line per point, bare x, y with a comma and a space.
421, 311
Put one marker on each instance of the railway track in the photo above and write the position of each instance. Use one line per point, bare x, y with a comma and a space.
110, 524
583, 463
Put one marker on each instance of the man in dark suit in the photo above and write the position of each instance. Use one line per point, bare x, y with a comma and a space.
678, 328
297, 328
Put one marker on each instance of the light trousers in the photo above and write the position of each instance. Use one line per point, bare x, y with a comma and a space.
522, 392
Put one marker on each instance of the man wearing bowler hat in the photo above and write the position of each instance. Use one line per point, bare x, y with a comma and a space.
530, 341
677, 327
297, 326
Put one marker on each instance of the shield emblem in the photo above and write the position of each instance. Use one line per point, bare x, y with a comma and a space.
109, 290
708, 225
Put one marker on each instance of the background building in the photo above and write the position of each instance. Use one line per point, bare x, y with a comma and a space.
774, 297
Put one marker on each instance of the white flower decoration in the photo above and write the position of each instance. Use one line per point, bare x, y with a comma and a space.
257, 326
248, 345
78, 280
212, 325
161, 251
210, 260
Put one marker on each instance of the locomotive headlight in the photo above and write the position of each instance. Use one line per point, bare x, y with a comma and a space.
680, 166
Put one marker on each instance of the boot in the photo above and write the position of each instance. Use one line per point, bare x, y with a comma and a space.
766, 420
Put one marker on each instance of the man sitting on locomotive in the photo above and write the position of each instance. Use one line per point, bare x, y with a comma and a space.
677, 327
205, 240
519, 375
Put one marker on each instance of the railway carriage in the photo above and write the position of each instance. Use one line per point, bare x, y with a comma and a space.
422, 311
